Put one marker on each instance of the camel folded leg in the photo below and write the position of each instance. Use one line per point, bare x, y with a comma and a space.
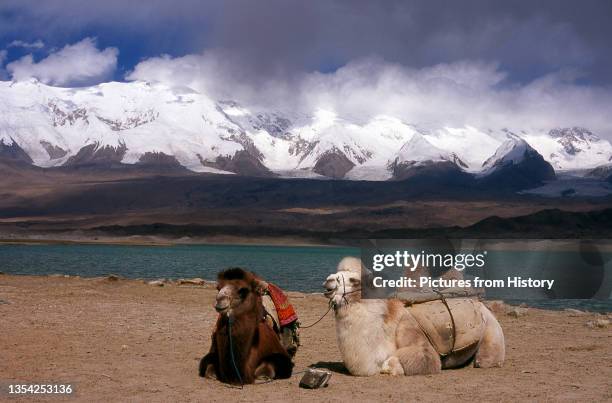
415, 353
392, 366
274, 366
207, 367
492, 350
265, 371
419, 360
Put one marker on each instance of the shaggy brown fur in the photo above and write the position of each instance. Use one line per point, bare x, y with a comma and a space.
256, 348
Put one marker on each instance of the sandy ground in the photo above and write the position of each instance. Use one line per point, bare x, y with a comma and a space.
128, 341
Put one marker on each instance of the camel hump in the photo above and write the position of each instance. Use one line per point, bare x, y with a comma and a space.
271, 312
435, 320
287, 334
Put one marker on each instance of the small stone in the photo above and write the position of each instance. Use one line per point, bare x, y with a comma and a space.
193, 281
157, 283
516, 312
112, 277
496, 306
575, 312
599, 323
124, 347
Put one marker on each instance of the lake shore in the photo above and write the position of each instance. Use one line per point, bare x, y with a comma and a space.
160, 241
117, 339
520, 245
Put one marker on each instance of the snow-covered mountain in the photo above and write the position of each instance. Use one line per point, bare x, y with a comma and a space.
419, 156
511, 152
516, 164
144, 123
418, 151
571, 148
603, 172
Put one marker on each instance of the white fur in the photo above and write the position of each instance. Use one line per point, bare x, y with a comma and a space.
365, 341
350, 263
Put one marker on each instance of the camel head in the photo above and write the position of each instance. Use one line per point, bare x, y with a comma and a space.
344, 286
238, 291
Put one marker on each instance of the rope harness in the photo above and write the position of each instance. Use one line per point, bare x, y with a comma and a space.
452, 318
230, 321
331, 305
450, 313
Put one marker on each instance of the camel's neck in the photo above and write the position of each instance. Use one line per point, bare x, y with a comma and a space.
243, 330
363, 311
361, 335
344, 311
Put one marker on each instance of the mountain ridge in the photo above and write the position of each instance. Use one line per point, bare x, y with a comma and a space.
131, 123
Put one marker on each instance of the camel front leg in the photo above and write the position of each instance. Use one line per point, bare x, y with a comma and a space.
265, 371
207, 367
492, 349
392, 366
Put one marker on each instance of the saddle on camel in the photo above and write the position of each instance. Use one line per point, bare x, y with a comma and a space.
255, 336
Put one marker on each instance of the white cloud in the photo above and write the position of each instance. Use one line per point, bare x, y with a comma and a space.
28, 45
187, 70
454, 94
81, 63
213, 72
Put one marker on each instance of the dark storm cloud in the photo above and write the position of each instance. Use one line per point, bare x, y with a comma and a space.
528, 39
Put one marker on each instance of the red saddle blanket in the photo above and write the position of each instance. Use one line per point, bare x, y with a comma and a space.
285, 311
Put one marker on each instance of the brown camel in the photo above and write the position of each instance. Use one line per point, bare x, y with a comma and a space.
244, 348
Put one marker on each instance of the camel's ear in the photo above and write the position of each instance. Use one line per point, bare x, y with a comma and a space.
260, 286
366, 276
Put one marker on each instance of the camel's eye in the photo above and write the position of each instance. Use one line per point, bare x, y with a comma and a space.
243, 292
355, 281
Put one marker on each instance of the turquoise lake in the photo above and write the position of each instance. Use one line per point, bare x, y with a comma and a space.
294, 268
290, 267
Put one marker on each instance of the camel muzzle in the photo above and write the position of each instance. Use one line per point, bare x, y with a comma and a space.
331, 287
222, 304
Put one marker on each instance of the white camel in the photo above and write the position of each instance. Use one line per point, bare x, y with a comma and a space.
384, 336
